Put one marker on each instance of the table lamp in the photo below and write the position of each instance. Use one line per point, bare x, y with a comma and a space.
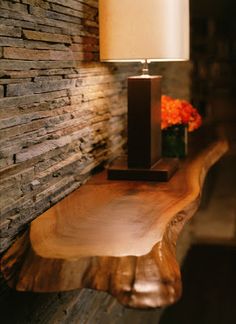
144, 31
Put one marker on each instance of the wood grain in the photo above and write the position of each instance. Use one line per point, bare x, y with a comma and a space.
114, 236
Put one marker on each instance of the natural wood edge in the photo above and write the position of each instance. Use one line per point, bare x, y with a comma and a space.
151, 280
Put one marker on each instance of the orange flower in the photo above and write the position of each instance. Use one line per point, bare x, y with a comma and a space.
176, 112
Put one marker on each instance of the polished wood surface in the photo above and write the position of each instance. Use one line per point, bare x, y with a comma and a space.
115, 236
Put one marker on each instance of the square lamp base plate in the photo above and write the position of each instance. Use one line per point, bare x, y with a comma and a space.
162, 170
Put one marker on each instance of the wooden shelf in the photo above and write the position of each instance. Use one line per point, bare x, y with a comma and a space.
115, 236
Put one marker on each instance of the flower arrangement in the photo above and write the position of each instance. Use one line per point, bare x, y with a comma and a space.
179, 112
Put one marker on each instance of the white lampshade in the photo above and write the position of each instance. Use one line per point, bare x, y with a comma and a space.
134, 30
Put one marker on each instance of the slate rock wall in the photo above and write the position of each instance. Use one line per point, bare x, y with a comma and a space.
62, 113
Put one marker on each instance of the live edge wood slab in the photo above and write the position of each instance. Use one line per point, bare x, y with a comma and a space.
115, 236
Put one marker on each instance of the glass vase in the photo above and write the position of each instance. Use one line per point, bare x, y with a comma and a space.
175, 141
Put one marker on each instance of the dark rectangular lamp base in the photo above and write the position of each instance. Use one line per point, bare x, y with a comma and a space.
161, 171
